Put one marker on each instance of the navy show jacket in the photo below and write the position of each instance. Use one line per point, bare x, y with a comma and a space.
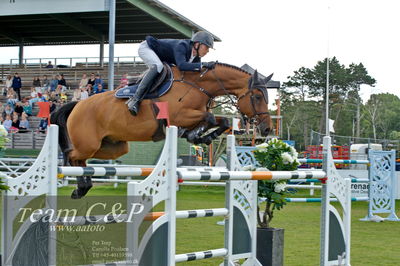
173, 51
16, 83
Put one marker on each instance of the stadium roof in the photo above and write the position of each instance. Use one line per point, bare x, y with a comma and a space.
73, 24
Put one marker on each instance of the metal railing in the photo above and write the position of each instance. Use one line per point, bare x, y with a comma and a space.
26, 140
73, 62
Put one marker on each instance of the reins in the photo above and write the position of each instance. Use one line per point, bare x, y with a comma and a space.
230, 99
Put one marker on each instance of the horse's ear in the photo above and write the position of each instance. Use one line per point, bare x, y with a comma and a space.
253, 79
268, 78
255, 75
250, 82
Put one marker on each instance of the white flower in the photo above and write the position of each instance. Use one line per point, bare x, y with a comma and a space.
279, 187
287, 158
3, 131
262, 169
272, 141
293, 152
249, 167
262, 146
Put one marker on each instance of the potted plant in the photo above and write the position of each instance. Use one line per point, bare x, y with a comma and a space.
3, 141
275, 155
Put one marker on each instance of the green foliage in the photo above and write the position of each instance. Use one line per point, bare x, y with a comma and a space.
3, 138
275, 155
3, 141
303, 101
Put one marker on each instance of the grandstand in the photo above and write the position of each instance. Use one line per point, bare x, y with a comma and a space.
73, 74
78, 23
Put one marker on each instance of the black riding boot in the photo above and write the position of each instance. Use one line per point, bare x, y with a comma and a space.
134, 102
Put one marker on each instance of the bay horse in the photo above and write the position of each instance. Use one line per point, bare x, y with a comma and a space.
101, 126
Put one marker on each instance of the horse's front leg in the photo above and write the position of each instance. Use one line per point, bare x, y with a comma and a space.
223, 125
194, 135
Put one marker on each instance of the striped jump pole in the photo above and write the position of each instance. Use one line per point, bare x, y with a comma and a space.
110, 219
250, 175
319, 199
336, 161
353, 180
200, 255
198, 183
304, 186
102, 171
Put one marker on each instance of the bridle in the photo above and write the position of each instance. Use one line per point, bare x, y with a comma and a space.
250, 91
256, 114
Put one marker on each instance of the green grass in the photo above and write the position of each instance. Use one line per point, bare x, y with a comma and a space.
375, 244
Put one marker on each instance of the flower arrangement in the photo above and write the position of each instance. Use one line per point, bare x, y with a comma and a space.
275, 155
3, 141
3, 137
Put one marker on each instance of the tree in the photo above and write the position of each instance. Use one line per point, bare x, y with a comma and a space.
304, 96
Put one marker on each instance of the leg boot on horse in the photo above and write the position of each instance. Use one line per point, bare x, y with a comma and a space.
134, 102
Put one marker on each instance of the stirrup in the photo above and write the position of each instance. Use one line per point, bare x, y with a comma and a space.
133, 106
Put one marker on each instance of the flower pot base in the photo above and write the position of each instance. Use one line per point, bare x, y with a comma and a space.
270, 246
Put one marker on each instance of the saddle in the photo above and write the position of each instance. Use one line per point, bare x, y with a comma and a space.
160, 86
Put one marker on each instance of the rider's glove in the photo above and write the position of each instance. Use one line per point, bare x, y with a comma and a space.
208, 65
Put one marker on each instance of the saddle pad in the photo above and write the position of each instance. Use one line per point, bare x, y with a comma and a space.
162, 89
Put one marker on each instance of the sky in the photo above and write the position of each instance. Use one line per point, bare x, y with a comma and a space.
281, 36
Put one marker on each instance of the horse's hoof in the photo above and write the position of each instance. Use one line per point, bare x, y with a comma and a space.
207, 140
76, 195
87, 188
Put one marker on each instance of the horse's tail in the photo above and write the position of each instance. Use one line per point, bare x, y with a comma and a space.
60, 118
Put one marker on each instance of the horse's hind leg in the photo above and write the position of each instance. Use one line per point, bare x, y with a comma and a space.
84, 183
111, 149
78, 158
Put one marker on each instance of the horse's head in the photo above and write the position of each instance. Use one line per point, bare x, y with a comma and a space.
253, 104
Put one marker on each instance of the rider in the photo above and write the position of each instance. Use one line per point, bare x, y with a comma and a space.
185, 54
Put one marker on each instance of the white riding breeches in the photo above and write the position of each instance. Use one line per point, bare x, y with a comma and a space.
149, 57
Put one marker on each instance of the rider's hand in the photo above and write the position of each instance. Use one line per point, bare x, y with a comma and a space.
208, 65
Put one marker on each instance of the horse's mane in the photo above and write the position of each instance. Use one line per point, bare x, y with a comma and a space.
234, 67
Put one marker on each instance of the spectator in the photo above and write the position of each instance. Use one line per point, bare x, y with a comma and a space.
36, 82
97, 81
54, 83
45, 97
38, 98
52, 97
123, 82
53, 106
27, 108
91, 83
17, 84
18, 108
7, 122
2, 108
99, 89
84, 81
63, 97
77, 94
49, 65
15, 123
24, 123
12, 101
8, 110
84, 94
46, 83
8, 84
33, 93
43, 125
62, 84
